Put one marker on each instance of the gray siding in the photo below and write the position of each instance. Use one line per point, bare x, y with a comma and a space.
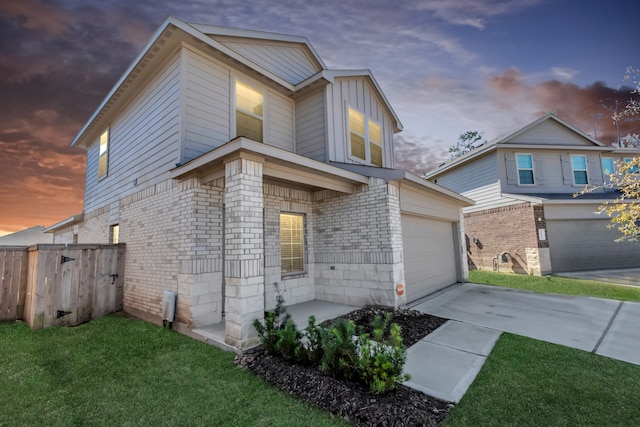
357, 93
478, 173
284, 60
206, 105
550, 133
279, 122
143, 142
311, 138
549, 174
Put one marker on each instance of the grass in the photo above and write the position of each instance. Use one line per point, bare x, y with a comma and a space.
526, 382
118, 371
556, 285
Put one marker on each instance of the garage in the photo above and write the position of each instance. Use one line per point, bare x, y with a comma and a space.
587, 244
430, 261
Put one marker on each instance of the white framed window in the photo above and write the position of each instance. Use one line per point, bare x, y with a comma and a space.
292, 243
114, 234
365, 138
524, 163
103, 159
607, 166
249, 112
633, 169
579, 168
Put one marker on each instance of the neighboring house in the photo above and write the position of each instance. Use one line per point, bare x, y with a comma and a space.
27, 237
228, 160
525, 217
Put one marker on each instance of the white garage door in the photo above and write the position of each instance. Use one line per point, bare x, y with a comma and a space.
588, 245
429, 255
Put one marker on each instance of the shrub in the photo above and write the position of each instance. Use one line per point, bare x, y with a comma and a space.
340, 351
274, 321
381, 363
288, 344
312, 350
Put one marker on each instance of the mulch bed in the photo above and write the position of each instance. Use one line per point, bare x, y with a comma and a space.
351, 400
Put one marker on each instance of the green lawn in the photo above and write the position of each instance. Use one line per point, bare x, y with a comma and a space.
526, 382
118, 371
556, 285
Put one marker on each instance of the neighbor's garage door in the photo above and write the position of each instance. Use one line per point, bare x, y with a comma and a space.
588, 245
429, 255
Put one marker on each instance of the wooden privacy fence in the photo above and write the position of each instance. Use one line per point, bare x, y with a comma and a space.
64, 285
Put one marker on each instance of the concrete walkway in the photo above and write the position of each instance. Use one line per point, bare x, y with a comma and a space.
447, 361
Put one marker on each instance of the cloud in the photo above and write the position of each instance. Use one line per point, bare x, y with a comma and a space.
564, 73
35, 15
473, 13
418, 155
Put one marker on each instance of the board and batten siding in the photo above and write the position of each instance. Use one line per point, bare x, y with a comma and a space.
552, 171
209, 106
355, 92
311, 131
550, 133
143, 141
206, 105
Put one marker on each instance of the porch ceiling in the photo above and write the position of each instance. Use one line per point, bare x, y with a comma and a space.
278, 164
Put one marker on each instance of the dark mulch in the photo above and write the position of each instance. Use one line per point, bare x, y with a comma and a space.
350, 400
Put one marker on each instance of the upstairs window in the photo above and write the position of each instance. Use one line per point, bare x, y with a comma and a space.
249, 112
579, 167
375, 144
365, 138
607, 165
103, 160
291, 243
357, 138
632, 169
114, 234
525, 169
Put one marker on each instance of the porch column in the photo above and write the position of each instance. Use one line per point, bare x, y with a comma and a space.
244, 249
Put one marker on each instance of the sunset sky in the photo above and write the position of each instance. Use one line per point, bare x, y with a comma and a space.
446, 66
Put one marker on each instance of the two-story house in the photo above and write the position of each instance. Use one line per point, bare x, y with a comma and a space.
228, 160
526, 218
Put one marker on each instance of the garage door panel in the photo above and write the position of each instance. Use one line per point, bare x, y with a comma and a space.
429, 255
577, 245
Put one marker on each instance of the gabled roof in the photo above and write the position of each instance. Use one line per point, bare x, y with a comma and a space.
248, 50
506, 142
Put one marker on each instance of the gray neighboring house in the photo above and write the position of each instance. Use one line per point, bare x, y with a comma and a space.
525, 218
27, 237
228, 160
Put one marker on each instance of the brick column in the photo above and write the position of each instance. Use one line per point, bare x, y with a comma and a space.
244, 249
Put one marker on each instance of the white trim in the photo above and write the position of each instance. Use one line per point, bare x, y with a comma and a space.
533, 170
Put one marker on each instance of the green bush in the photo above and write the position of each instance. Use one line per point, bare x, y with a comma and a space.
341, 350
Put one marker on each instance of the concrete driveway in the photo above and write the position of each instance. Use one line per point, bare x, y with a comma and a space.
623, 276
606, 327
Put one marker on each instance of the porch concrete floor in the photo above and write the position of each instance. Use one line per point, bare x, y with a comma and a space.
322, 310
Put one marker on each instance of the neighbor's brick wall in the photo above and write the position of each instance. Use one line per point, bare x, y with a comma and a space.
510, 228
358, 245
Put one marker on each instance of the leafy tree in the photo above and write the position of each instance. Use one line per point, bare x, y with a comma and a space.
630, 112
466, 142
625, 210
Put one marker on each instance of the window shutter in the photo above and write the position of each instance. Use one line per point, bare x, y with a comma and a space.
512, 169
567, 174
539, 168
594, 170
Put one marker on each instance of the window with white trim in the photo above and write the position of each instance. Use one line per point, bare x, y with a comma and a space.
292, 243
525, 169
249, 112
607, 165
633, 169
579, 168
365, 138
103, 159
114, 234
